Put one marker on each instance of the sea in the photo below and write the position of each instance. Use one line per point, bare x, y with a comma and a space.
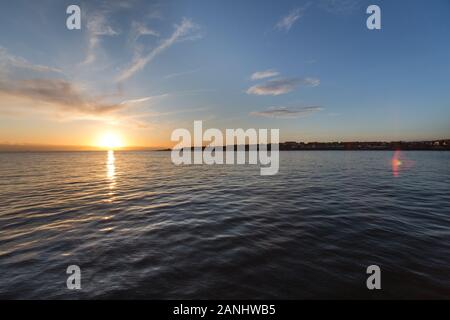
139, 227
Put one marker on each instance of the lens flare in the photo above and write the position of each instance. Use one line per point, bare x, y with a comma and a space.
396, 163
400, 163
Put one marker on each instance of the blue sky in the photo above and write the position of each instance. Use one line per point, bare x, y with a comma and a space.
142, 68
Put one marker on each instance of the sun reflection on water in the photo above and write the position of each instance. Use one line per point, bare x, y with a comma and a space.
110, 166
111, 173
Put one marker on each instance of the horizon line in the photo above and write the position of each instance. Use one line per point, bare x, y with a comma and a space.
60, 147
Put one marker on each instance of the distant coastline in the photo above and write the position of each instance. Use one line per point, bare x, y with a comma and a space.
376, 145
432, 145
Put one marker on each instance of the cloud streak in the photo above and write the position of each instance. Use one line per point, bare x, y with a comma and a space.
97, 27
39, 90
286, 22
178, 74
264, 74
284, 112
183, 31
8, 61
140, 100
281, 86
59, 94
63, 100
140, 29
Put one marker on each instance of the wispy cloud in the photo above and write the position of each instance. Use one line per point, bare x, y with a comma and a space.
139, 29
284, 112
140, 100
183, 73
62, 100
183, 31
8, 61
286, 22
274, 87
97, 27
135, 101
277, 87
155, 11
40, 89
264, 74
56, 94
310, 82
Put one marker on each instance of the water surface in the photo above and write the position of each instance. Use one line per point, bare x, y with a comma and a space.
140, 227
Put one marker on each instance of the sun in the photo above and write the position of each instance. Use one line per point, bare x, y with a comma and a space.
110, 140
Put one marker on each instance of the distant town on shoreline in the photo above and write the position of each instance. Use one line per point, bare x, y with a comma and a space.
355, 145
435, 145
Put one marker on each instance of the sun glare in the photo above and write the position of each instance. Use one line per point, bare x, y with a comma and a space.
110, 141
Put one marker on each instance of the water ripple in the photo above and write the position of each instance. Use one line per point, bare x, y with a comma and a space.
140, 227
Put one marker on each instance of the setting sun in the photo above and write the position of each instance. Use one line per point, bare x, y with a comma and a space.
110, 140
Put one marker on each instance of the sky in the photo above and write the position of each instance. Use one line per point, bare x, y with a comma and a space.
141, 69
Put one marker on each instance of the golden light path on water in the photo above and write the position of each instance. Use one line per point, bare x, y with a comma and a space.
111, 177
111, 173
